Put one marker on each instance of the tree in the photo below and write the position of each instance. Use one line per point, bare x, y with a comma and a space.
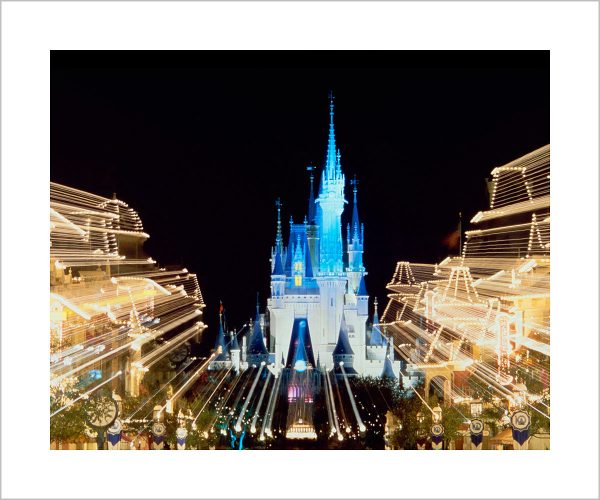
490, 416
69, 424
406, 410
539, 423
452, 418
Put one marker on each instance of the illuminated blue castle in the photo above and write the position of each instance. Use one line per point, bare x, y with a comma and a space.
318, 308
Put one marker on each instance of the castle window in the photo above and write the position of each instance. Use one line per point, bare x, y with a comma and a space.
298, 280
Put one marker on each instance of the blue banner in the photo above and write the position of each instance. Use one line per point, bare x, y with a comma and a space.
113, 438
520, 436
437, 439
476, 439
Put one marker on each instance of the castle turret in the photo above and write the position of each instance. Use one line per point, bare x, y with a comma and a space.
277, 282
343, 352
330, 207
234, 351
312, 228
362, 298
287, 266
298, 263
257, 351
302, 356
277, 270
220, 344
376, 337
355, 246
388, 369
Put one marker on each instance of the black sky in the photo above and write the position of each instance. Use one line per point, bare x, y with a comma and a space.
201, 144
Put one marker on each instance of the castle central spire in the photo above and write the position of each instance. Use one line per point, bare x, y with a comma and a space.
311, 197
279, 238
331, 205
331, 163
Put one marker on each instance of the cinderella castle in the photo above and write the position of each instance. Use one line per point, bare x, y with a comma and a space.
318, 308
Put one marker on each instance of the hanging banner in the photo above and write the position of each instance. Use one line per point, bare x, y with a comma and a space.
437, 436
181, 435
520, 421
113, 434
476, 430
158, 435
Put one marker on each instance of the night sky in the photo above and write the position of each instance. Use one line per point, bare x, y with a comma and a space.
202, 143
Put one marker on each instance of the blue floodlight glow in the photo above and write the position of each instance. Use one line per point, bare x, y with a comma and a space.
300, 365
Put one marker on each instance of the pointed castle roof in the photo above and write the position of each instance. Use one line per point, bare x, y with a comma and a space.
343, 344
220, 341
376, 336
300, 344
300, 356
309, 269
298, 250
233, 345
362, 288
331, 163
278, 268
332, 168
388, 370
257, 345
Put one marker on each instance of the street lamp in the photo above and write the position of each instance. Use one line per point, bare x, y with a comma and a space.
420, 431
437, 414
476, 409
157, 413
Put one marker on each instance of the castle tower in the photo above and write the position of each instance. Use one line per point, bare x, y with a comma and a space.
388, 369
362, 298
277, 281
343, 351
330, 205
221, 359
298, 267
355, 234
220, 341
332, 279
312, 229
234, 351
257, 351
376, 337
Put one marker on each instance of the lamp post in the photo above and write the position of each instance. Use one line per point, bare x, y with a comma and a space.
437, 414
157, 413
420, 431
476, 409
